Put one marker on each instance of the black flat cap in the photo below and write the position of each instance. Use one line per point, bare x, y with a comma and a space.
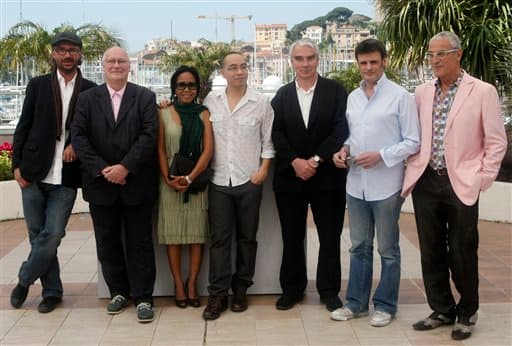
69, 37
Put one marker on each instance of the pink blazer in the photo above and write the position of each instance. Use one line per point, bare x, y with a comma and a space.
475, 140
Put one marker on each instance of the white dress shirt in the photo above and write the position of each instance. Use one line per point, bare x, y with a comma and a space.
241, 138
305, 98
388, 123
54, 175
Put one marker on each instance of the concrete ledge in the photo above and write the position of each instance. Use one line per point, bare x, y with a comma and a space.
11, 205
495, 203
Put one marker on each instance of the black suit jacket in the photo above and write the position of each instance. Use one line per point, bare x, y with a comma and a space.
326, 132
100, 141
35, 135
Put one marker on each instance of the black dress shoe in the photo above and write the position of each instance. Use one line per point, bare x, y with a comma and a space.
216, 306
332, 303
464, 327
18, 296
286, 302
239, 302
48, 304
435, 320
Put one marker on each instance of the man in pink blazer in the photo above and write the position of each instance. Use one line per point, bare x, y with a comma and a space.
462, 144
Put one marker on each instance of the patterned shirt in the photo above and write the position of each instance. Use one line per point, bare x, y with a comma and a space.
440, 110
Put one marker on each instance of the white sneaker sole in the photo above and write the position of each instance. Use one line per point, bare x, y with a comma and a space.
347, 318
380, 323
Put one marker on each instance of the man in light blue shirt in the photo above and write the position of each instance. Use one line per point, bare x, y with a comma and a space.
384, 131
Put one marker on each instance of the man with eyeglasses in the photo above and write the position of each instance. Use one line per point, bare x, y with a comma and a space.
462, 144
242, 122
114, 134
46, 167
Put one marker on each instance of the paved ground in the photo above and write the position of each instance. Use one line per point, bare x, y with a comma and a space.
81, 319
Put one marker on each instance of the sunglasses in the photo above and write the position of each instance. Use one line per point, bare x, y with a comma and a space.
184, 85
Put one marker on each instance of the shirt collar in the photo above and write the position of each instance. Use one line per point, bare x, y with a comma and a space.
112, 91
62, 81
310, 90
382, 80
457, 82
250, 94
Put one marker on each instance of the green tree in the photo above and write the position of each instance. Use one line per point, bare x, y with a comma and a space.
30, 42
206, 59
338, 14
350, 77
484, 26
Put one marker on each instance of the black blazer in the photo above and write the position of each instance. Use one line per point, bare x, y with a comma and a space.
99, 141
35, 135
326, 132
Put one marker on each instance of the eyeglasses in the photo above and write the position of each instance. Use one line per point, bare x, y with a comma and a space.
184, 85
62, 51
234, 68
440, 54
114, 61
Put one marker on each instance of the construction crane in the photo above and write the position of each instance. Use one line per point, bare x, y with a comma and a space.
230, 19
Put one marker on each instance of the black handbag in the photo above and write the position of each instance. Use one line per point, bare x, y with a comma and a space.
182, 166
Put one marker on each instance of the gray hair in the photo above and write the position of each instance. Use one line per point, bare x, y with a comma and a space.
450, 36
304, 42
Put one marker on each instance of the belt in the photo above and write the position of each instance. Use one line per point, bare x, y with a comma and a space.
440, 171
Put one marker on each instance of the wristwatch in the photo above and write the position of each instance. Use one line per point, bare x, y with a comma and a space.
189, 181
317, 159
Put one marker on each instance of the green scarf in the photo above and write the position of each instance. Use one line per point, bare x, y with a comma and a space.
191, 129
191, 133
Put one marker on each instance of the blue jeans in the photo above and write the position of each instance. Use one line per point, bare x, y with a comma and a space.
366, 217
47, 208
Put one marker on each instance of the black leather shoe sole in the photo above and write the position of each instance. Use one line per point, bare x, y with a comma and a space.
286, 302
460, 335
48, 304
239, 303
213, 315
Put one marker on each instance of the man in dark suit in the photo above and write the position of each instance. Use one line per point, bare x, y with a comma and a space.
114, 133
309, 127
46, 168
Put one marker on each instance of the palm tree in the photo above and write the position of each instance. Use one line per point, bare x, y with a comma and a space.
25, 40
485, 30
30, 42
206, 59
484, 26
96, 39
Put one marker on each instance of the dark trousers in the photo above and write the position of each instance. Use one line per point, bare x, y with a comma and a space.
231, 209
129, 269
328, 208
448, 236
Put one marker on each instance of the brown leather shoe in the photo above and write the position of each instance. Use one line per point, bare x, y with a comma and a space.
239, 302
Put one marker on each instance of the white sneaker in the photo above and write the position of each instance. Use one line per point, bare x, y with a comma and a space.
345, 314
380, 319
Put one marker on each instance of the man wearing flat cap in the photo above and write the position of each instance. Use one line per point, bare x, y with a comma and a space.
46, 167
